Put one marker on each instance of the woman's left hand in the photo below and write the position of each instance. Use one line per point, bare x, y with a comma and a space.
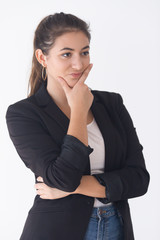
47, 192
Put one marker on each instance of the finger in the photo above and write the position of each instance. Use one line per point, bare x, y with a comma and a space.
39, 185
40, 179
40, 192
64, 85
85, 73
43, 196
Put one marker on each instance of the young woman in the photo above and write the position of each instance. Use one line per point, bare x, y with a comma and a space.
80, 144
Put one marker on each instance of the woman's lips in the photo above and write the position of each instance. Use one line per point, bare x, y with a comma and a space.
76, 75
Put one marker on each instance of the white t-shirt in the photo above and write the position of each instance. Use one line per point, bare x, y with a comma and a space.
97, 157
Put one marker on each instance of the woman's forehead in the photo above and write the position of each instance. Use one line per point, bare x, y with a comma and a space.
72, 40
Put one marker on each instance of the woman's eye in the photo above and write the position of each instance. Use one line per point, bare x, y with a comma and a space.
66, 54
85, 53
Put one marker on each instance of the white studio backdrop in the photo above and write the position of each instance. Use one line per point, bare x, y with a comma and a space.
125, 52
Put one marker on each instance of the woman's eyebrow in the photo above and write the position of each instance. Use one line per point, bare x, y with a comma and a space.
71, 49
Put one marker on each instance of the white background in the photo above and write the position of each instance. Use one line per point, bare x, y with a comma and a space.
125, 52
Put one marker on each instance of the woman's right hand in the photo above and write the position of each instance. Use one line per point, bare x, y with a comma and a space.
79, 97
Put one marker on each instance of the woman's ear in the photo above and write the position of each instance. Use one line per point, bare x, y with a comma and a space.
41, 58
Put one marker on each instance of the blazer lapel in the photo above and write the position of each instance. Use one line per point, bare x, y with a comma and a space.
105, 126
44, 100
112, 138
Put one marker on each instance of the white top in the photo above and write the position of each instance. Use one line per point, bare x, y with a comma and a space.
97, 157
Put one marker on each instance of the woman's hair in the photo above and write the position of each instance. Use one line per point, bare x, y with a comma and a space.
46, 33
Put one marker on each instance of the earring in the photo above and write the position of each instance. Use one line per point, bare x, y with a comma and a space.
44, 74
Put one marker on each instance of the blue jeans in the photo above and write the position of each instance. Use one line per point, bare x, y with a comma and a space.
105, 224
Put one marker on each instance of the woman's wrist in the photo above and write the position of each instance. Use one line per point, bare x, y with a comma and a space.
79, 115
89, 186
78, 126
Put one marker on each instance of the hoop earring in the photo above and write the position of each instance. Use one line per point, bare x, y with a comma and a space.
44, 74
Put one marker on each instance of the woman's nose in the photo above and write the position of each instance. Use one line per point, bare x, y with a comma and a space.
77, 63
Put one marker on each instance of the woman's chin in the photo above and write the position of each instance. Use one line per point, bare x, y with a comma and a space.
72, 82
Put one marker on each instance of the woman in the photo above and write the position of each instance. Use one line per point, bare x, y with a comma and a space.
80, 144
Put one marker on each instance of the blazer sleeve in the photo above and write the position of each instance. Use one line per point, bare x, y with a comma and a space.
133, 179
60, 167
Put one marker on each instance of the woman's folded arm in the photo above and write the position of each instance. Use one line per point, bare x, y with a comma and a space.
132, 179
60, 167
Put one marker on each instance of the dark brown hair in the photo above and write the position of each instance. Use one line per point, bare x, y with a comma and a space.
46, 33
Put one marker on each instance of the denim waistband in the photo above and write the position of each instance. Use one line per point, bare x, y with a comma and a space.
104, 210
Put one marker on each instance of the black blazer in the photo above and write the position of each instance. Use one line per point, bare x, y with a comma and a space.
38, 130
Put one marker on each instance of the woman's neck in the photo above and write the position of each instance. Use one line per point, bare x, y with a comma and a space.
58, 95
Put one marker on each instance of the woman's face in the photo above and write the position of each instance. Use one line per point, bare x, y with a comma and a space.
68, 58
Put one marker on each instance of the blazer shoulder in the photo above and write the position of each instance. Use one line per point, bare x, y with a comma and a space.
110, 99
22, 107
107, 95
